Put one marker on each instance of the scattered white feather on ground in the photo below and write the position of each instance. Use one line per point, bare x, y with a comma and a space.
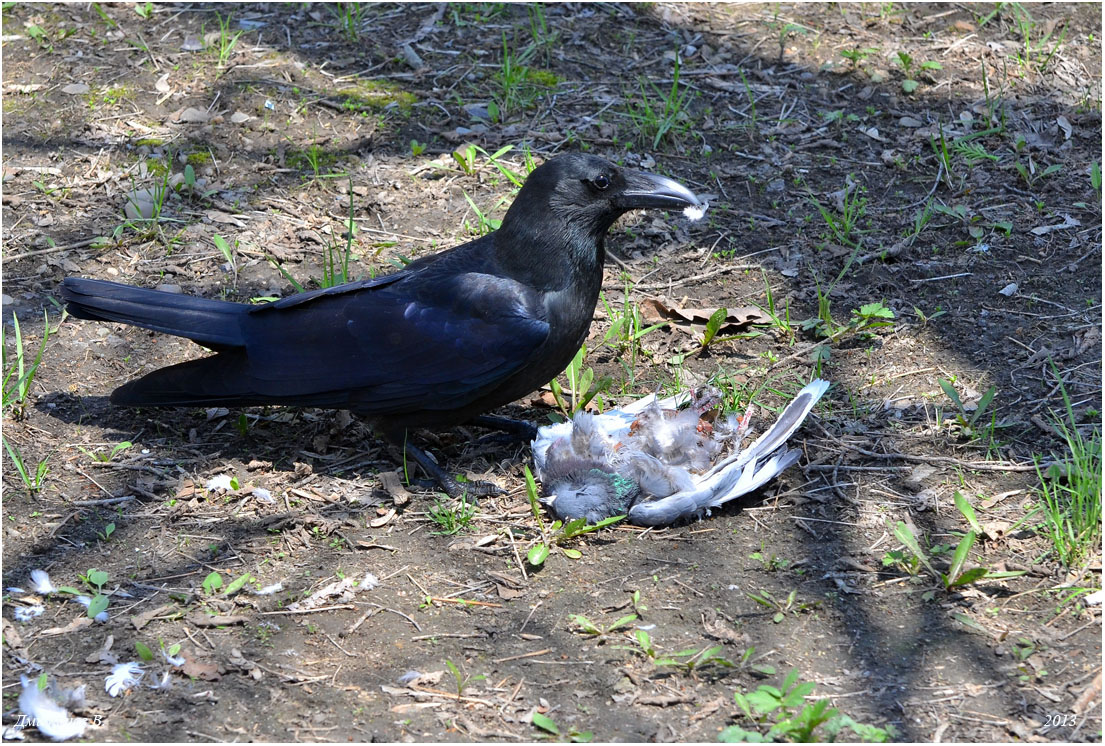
695, 212
40, 581
51, 719
122, 677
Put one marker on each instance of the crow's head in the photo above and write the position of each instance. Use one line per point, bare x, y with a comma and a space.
590, 193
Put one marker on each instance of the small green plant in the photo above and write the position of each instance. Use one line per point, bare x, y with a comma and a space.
452, 517
582, 386
627, 329
956, 575
853, 206
212, 583
227, 40
557, 533
105, 535
104, 458
783, 30
1095, 176
587, 627
779, 319
691, 660
910, 84
968, 422
1031, 174
770, 561
17, 391
870, 316
33, 482
144, 10
144, 651
857, 56
484, 224
335, 267
788, 717
462, 680
514, 93
782, 606
549, 726
227, 251
660, 115
944, 160
466, 159
973, 152
96, 580
347, 19
417, 148
714, 324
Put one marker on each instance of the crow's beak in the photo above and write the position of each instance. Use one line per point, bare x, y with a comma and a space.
651, 190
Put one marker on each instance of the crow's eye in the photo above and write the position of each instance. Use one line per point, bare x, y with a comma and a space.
601, 183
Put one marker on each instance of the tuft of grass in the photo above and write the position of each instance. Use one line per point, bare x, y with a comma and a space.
347, 19
660, 115
853, 207
1070, 490
226, 41
452, 517
518, 85
32, 480
16, 392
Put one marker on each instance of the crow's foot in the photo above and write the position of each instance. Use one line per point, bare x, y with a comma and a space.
453, 488
518, 429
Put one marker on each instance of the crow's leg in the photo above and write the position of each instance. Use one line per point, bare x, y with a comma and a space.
451, 486
520, 429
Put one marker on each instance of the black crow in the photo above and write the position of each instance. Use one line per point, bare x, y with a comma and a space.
634, 461
449, 337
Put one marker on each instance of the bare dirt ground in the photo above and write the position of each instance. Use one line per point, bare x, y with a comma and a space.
816, 128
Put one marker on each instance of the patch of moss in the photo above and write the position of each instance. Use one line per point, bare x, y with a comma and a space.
199, 159
109, 96
544, 78
151, 142
375, 95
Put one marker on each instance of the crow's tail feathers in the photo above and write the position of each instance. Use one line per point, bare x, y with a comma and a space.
205, 382
211, 323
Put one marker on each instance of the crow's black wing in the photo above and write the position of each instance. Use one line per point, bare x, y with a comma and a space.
422, 342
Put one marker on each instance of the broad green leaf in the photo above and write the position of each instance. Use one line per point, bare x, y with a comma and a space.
972, 575
968, 512
960, 558
537, 555
212, 583
983, 404
545, 723
98, 604
904, 535
628, 618
237, 584
951, 392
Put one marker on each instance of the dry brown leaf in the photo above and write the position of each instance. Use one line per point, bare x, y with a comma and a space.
79, 623
204, 670
656, 310
141, 620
